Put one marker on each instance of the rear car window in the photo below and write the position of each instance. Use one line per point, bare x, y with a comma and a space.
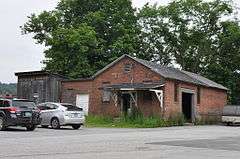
231, 110
72, 107
4, 103
27, 104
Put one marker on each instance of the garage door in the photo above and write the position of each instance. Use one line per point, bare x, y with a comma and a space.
82, 101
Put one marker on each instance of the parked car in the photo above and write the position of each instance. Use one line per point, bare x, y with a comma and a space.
61, 114
19, 112
231, 114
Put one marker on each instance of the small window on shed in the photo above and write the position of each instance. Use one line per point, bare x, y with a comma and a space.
106, 96
127, 68
176, 84
198, 95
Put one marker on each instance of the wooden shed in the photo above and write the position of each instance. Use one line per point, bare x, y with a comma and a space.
39, 86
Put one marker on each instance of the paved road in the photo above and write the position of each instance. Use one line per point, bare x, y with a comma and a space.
199, 142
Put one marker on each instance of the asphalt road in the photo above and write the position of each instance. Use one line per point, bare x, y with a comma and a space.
198, 142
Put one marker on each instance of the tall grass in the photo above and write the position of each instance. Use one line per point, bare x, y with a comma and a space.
134, 120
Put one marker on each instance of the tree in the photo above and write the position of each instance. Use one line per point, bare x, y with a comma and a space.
10, 88
82, 36
225, 66
196, 35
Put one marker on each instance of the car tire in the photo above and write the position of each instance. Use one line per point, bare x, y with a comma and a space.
44, 126
55, 123
31, 127
76, 126
2, 123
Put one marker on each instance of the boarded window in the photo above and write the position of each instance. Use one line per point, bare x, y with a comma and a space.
106, 96
176, 85
127, 68
198, 95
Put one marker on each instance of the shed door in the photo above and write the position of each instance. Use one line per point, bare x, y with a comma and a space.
82, 101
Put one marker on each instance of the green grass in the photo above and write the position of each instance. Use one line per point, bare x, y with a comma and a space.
133, 121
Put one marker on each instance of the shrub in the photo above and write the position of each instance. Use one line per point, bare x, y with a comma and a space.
176, 120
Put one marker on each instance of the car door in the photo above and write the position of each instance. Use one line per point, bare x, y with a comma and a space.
51, 112
44, 113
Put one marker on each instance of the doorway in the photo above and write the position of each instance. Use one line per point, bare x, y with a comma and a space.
187, 104
126, 103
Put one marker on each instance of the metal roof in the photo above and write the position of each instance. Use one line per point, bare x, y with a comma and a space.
174, 73
169, 72
166, 72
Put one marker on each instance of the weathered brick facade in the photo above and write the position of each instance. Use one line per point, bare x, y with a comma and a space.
211, 100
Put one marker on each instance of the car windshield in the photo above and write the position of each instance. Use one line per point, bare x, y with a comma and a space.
27, 104
72, 107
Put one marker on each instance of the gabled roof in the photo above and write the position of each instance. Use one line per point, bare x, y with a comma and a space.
170, 73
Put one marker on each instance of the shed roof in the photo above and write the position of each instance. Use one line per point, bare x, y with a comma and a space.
35, 73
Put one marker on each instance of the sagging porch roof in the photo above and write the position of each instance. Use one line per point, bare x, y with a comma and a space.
134, 86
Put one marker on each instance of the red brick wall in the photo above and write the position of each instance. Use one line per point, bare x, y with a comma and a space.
71, 88
212, 100
150, 106
116, 75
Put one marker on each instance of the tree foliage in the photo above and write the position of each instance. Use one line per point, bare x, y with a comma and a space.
10, 88
82, 36
199, 36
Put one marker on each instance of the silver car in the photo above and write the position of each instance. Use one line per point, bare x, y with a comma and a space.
231, 114
60, 114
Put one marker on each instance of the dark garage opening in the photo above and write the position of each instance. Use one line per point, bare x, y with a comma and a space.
187, 106
126, 103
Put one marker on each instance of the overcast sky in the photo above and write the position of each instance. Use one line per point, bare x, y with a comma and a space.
19, 52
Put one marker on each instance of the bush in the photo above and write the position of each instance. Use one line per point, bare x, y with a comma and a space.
176, 120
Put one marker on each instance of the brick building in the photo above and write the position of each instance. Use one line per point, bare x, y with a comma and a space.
154, 89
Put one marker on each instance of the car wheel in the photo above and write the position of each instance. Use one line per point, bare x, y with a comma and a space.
2, 125
44, 126
55, 123
76, 126
31, 127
